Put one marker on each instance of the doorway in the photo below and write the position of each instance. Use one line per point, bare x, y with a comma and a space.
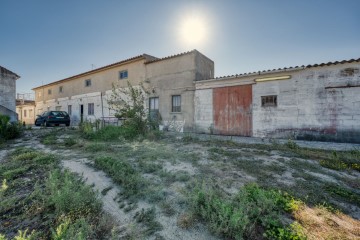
81, 112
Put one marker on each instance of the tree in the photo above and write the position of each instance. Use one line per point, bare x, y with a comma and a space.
129, 105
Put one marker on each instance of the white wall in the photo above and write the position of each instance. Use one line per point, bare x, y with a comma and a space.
314, 104
203, 102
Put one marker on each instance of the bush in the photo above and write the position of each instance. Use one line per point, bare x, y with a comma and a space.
9, 130
238, 217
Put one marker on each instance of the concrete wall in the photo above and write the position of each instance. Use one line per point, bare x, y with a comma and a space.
320, 103
204, 118
7, 94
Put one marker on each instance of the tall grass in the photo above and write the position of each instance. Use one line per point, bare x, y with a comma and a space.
250, 212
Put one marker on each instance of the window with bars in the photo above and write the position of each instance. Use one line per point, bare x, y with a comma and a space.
24, 113
176, 103
60, 89
154, 107
90, 109
49, 91
269, 101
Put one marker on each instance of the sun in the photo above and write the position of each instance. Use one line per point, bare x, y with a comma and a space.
193, 30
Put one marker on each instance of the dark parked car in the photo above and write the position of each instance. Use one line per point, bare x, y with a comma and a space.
53, 118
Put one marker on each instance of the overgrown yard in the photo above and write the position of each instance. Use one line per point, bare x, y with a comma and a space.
175, 187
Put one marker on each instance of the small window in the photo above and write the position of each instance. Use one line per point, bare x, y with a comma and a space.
87, 82
90, 109
24, 113
60, 89
69, 110
123, 74
176, 103
49, 91
269, 101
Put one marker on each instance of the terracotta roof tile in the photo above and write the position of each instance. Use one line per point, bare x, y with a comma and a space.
292, 68
145, 56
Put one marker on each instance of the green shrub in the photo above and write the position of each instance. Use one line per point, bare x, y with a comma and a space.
237, 217
70, 196
9, 130
79, 230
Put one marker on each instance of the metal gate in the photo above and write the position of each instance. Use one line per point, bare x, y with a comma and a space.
232, 110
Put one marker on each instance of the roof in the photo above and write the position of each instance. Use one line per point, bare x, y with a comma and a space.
143, 56
7, 71
168, 57
285, 69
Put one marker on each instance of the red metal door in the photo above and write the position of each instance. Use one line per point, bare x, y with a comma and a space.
232, 110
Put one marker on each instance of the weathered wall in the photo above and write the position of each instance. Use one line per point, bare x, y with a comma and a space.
7, 94
319, 103
100, 82
176, 76
204, 121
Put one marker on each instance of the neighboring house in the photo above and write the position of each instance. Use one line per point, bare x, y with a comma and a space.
86, 95
26, 111
7, 93
314, 102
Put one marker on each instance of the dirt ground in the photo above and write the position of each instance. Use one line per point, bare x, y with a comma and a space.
171, 164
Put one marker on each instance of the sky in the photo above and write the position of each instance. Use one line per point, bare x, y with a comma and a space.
45, 41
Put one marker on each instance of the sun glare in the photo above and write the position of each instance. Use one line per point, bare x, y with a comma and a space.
193, 30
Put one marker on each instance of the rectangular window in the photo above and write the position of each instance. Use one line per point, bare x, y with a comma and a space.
269, 101
24, 113
176, 103
87, 82
154, 107
49, 91
60, 89
69, 110
123, 74
57, 108
90, 109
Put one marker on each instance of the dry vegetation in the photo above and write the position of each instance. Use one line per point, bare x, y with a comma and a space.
165, 187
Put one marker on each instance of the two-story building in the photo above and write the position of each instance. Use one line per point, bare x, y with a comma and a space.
86, 95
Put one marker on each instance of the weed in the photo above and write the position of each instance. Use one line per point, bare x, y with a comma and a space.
70, 196
49, 139
186, 220
342, 192
122, 173
167, 209
237, 217
105, 190
69, 142
148, 219
292, 145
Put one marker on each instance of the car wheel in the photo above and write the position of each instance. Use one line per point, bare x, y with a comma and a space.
37, 124
67, 124
46, 124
